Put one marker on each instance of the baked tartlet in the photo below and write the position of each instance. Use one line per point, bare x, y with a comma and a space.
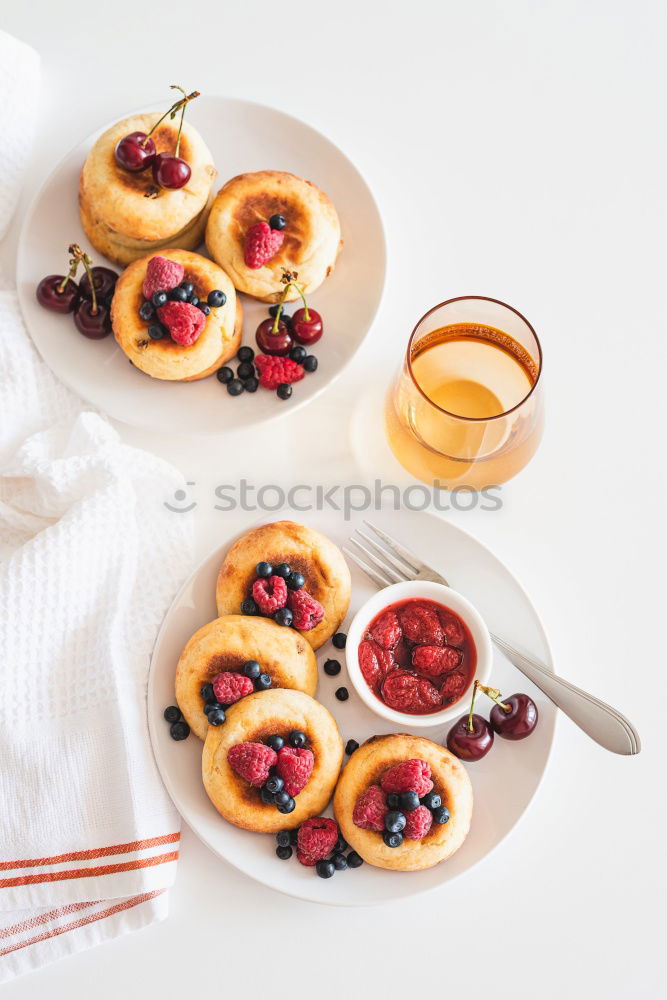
253, 720
369, 766
126, 215
225, 644
165, 359
306, 551
311, 237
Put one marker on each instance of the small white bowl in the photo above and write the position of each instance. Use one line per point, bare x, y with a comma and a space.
403, 592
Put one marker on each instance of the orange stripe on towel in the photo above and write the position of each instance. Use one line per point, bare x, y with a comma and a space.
126, 866
98, 852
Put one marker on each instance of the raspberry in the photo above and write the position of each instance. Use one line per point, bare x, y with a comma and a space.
407, 693
251, 761
452, 628
408, 776
275, 371
184, 322
161, 276
370, 809
374, 662
295, 768
317, 837
229, 687
453, 686
421, 624
417, 823
270, 595
261, 244
386, 631
435, 660
306, 611
305, 859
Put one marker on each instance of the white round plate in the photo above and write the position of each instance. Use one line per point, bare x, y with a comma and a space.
504, 782
242, 136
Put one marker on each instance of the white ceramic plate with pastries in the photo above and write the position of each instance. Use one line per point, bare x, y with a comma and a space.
241, 137
503, 783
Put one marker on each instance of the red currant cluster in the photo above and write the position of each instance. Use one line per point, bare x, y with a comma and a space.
89, 300
513, 718
136, 151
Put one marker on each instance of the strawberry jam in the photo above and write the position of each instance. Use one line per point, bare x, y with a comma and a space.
417, 656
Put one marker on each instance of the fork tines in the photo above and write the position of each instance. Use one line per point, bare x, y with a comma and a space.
384, 564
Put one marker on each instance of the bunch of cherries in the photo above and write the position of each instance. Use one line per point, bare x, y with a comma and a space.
136, 152
89, 300
281, 334
513, 718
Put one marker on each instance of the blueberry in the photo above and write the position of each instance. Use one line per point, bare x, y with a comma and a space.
147, 310
354, 860
216, 298
156, 331
266, 796
172, 714
394, 821
342, 694
178, 294
340, 845
310, 363
284, 853
431, 800
248, 607
295, 581
283, 616
277, 222
339, 862
252, 669
245, 370
275, 742
193, 300
179, 730
294, 837
331, 667
263, 683
298, 354
350, 747
187, 287
245, 354
207, 692
283, 838
339, 640
159, 299
275, 784
203, 308
251, 384
297, 739
235, 387
216, 716
282, 570
281, 797
325, 869
409, 801
393, 800
273, 311
287, 320
224, 374
210, 706
264, 570
288, 806
284, 391
440, 815
392, 839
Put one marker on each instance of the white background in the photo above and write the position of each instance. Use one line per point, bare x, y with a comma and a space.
517, 150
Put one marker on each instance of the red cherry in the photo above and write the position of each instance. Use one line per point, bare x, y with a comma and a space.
307, 331
170, 171
279, 343
135, 152
50, 296
470, 743
92, 324
519, 722
105, 282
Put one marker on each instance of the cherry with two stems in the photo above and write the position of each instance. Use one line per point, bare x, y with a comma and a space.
275, 337
471, 736
169, 169
91, 318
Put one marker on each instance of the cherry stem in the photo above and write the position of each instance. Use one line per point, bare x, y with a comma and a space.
469, 725
306, 314
73, 267
79, 256
172, 112
494, 695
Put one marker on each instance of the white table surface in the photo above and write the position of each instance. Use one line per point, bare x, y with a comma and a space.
517, 150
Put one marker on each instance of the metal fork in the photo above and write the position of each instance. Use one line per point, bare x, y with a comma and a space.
390, 562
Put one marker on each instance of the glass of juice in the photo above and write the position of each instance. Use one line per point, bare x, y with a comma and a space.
466, 410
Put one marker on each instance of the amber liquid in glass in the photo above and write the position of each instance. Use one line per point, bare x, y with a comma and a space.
473, 372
